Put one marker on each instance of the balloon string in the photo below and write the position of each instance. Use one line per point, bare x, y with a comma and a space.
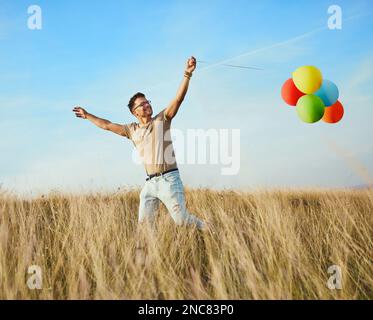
235, 66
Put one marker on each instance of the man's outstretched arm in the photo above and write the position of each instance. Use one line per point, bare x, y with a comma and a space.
175, 104
101, 123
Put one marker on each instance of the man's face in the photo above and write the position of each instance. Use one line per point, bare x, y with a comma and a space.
142, 108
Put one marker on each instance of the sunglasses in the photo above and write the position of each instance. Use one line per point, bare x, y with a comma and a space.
142, 104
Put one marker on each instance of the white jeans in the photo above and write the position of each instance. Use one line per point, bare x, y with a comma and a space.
169, 189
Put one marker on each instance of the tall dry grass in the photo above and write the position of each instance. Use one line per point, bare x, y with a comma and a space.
267, 245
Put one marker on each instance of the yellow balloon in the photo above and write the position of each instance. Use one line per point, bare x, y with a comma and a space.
307, 79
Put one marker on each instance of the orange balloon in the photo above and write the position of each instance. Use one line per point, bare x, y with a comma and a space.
334, 113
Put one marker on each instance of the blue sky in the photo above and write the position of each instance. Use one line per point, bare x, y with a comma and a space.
98, 53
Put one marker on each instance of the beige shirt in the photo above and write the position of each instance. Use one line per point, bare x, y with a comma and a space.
153, 143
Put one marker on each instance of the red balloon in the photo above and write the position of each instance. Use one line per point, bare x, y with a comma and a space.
290, 92
334, 113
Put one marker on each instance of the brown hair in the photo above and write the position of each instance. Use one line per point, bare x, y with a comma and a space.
134, 97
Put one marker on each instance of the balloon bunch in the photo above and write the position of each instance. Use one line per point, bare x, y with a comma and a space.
315, 98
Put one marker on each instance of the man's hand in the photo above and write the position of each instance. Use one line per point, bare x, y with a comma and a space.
191, 64
80, 112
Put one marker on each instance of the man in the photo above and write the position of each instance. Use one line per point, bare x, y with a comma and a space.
151, 136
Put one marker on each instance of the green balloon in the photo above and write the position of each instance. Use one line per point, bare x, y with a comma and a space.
310, 108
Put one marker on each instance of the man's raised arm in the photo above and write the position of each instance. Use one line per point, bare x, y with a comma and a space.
101, 123
174, 105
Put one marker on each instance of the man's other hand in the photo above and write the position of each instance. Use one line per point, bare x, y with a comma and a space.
80, 112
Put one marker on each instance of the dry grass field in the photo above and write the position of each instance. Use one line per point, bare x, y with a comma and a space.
274, 244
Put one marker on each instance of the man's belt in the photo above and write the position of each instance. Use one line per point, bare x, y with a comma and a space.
160, 174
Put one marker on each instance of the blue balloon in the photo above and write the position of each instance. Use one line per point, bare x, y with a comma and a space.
328, 93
